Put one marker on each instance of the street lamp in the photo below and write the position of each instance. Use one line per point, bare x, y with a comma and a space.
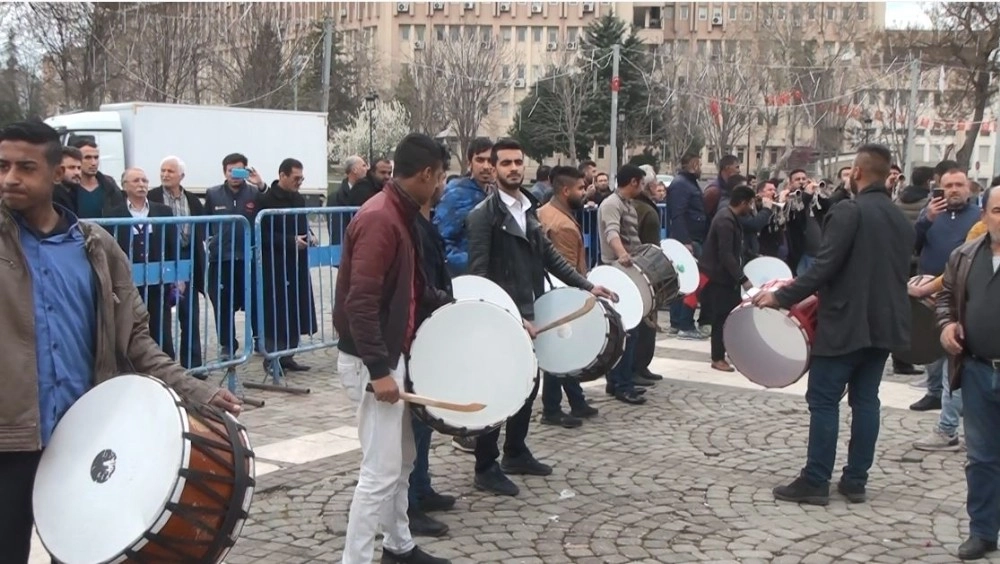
370, 101
868, 129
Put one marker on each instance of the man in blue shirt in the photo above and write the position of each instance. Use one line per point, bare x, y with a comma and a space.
72, 319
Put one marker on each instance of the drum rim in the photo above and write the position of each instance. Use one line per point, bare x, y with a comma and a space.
788, 314
582, 374
408, 381
493, 286
607, 329
787, 273
615, 326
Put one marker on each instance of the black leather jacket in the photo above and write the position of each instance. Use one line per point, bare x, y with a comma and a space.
516, 261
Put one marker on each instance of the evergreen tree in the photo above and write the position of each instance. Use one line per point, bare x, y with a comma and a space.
344, 95
532, 132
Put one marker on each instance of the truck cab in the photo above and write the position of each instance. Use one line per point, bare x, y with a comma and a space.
105, 128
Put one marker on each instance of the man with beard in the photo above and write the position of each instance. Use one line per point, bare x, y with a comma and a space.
560, 225
460, 196
99, 192
65, 193
599, 190
803, 228
507, 245
649, 234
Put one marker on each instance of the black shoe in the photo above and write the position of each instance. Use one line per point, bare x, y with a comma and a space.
853, 492
562, 420
645, 373
905, 369
524, 465
610, 390
975, 548
632, 397
435, 502
423, 525
926, 403
291, 365
495, 481
584, 412
801, 491
415, 556
642, 382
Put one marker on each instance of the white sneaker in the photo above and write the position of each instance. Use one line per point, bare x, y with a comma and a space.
938, 441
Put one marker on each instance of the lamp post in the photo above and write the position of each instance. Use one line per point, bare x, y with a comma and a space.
370, 101
868, 129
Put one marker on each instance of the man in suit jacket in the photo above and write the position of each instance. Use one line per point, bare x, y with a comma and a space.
192, 236
145, 244
861, 273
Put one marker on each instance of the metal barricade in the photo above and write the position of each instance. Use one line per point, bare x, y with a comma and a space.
296, 257
592, 232
175, 262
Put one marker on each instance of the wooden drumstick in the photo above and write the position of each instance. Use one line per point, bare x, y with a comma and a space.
587, 306
431, 402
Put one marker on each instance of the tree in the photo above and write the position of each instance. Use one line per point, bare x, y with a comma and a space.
536, 142
678, 126
418, 89
391, 123
20, 89
730, 99
344, 94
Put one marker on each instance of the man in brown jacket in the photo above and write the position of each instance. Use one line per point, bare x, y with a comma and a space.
568, 195
966, 313
72, 319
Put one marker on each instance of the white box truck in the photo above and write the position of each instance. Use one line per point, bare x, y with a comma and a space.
141, 134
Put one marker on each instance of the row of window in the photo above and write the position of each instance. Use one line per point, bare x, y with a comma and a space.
642, 16
485, 33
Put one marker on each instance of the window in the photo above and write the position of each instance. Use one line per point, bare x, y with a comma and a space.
702, 13
747, 13
733, 11
683, 47
921, 149
685, 13
702, 47
831, 14
553, 33
845, 14
486, 33
421, 31
520, 72
505, 72
522, 34
404, 33
716, 49
505, 109
573, 34
455, 33
757, 154
811, 11
772, 155
984, 155
768, 13
667, 48
639, 17
536, 34
781, 13
668, 12
711, 156
741, 154
536, 73
600, 152
862, 12
470, 32
439, 32
506, 34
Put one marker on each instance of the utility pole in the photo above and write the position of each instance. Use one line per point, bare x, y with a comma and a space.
327, 61
911, 119
616, 52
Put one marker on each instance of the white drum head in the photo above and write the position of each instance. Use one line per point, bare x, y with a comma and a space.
556, 283
762, 270
630, 302
110, 469
688, 275
469, 287
766, 345
473, 351
575, 345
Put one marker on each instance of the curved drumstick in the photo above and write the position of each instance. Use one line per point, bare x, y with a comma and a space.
431, 402
587, 306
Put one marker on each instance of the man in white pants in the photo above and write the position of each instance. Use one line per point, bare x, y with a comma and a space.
379, 287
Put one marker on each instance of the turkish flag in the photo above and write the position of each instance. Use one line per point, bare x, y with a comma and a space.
691, 300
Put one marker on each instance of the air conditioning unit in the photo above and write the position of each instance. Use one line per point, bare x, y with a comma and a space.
343, 12
504, 7
438, 6
588, 7
520, 83
552, 46
536, 7
469, 6
716, 20
418, 45
571, 45
402, 7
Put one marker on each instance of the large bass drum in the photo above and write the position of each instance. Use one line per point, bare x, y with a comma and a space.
134, 474
471, 351
586, 348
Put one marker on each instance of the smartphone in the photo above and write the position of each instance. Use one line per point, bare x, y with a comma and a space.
240, 173
937, 193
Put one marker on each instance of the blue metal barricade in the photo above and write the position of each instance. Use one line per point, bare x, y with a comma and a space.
296, 257
592, 233
175, 262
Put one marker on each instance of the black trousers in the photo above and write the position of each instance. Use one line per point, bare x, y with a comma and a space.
645, 346
228, 287
17, 479
723, 298
160, 318
487, 446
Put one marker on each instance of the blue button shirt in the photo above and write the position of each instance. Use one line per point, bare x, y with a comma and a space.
65, 304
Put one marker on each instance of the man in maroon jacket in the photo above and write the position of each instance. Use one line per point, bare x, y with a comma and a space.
378, 289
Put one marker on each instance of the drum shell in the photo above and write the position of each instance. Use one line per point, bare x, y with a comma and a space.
655, 276
925, 335
610, 355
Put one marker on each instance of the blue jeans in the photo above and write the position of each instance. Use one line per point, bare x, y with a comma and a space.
420, 477
951, 406
621, 375
552, 389
935, 374
981, 384
805, 262
681, 316
861, 372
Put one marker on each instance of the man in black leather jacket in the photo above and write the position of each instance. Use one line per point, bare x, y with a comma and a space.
508, 246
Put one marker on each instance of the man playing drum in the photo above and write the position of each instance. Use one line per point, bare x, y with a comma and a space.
861, 273
379, 289
72, 316
507, 246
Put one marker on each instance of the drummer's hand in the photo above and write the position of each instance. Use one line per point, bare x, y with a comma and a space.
951, 338
602, 292
921, 291
385, 389
625, 261
224, 399
529, 328
765, 299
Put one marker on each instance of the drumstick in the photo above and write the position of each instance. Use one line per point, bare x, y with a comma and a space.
587, 306
431, 402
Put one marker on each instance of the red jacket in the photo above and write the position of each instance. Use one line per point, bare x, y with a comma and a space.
374, 292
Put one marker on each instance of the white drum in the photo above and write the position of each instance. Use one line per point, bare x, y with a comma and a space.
688, 275
630, 299
471, 351
585, 348
469, 287
762, 270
